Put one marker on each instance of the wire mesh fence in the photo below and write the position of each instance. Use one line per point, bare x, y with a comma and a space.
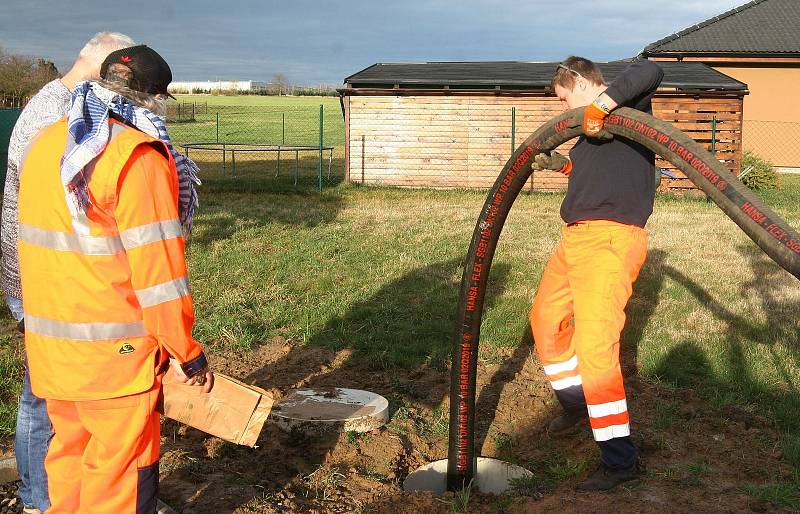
776, 141
182, 112
261, 148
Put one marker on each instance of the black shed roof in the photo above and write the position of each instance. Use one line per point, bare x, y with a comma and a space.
523, 75
760, 28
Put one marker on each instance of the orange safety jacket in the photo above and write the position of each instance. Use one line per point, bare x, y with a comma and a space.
105, 291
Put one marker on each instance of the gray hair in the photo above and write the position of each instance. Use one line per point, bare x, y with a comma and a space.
103, 43
155, 103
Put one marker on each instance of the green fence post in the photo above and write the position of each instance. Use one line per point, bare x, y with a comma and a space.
513, 129
217, 126
320, 148
713, 144
283, 128
714, 136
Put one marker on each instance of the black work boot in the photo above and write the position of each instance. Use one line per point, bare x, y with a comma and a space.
605, 478
567, 420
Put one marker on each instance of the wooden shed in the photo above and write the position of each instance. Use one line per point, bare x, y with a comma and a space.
455, 124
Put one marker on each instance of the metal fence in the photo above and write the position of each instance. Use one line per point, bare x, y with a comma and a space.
261, 148
776, 141
181, 112
255, 148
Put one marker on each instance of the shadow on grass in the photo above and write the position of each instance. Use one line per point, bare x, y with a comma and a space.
733, 379
408, 323
257, 173
222, 214
641, 307
395, 343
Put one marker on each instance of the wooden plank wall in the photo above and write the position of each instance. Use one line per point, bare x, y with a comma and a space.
464, 141
694, 117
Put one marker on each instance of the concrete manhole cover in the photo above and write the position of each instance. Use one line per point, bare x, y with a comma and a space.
331, 409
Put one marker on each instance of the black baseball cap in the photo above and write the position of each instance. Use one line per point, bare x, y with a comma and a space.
150, 72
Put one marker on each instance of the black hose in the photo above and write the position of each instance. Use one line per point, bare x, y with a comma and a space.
761, 224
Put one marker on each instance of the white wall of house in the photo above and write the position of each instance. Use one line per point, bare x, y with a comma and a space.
217, 85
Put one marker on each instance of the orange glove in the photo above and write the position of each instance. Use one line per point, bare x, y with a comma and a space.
593, 116
552, 161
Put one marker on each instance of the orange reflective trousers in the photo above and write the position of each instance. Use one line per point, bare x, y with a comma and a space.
104, 454
577, 317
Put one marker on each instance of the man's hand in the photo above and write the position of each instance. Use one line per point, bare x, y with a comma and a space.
593, 116
552, 161
205, 378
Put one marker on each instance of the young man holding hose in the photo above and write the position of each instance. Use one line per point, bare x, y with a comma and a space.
579, 309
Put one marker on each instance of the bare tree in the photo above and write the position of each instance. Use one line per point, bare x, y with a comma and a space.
21, 76
280, 83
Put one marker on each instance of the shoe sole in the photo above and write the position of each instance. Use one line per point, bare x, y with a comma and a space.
633, 482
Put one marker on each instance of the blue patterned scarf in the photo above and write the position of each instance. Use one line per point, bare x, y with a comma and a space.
87, 122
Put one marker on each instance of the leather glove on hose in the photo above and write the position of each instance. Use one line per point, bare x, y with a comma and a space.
593, 117
552, 161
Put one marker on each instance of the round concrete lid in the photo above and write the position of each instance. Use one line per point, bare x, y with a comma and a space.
331, 409
491, 476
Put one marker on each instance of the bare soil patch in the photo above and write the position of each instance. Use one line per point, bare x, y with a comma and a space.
697, 458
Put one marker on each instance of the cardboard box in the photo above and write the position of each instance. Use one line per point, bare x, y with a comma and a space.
8, 469
232, 410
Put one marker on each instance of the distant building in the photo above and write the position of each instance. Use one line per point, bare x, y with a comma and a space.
455, 124
208, 86
757, 43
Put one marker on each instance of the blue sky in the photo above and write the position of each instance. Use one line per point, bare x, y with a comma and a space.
313, 42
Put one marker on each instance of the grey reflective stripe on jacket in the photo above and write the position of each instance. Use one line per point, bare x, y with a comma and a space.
150, 233
100, 245
83, 331
162, 293
70, 242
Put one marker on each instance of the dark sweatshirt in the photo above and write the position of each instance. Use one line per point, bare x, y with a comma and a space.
615, 180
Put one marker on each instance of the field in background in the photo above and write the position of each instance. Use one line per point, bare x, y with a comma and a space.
262, 120
330, 102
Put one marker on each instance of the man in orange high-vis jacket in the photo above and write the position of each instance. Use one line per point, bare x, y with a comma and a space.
579, 309
105, 287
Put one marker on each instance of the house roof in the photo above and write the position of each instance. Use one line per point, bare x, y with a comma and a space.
760, 27
523, 75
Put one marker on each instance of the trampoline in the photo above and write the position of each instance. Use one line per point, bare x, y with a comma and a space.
247, 148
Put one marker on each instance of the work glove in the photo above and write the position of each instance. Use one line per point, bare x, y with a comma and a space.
593, 116
552, 161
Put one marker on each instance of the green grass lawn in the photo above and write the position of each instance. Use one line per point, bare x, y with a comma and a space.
259, 119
